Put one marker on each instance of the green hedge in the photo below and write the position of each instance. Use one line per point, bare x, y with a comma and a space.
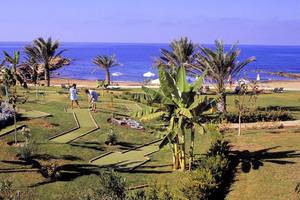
260, 116
205, 181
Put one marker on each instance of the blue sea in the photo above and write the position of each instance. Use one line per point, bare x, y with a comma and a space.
137, 59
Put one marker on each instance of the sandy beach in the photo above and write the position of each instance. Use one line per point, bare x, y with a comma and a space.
291, 85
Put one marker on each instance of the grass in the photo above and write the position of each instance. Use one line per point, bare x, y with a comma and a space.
270, 164
277, 179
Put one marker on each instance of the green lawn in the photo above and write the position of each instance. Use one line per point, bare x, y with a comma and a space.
80, 151
278, 152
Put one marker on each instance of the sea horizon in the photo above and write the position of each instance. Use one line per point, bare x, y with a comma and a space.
157, 43
137, 59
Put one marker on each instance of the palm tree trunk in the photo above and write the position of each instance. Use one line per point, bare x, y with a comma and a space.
47, 74
222, 103
107, 77
191, 160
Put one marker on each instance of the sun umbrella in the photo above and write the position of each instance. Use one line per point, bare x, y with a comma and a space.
155, 81
117, 74
258, 77
148, 74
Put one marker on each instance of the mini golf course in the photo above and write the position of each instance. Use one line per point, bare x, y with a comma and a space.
127, 160
85, 124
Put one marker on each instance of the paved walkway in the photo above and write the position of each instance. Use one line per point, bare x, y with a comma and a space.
278, 124
86, 125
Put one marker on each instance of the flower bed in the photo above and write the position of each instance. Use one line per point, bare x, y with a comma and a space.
6, 114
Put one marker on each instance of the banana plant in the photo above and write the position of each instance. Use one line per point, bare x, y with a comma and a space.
12, 76
13, 60
182, 107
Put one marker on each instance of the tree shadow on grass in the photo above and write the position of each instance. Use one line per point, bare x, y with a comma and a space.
148, 171
63, 157
70, 172
256, 159
246, 161
89, 145
32, 164
127, 145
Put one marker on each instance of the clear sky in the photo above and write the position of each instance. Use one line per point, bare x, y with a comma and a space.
152, 21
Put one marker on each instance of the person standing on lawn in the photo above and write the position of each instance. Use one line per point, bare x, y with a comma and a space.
74, 96
93, 98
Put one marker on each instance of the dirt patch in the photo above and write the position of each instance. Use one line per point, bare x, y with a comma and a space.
41, 123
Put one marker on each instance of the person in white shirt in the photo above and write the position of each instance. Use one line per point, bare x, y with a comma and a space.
93, 98
73, 96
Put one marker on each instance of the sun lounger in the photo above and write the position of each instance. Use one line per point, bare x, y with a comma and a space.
278, 90
65, 86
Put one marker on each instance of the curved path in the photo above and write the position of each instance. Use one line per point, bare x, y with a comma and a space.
127, 160
85, 125
262, 125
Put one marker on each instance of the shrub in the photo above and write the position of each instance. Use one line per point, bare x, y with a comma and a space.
27, 151
260, 116
200, 185
6, 190
205, 181
153, 192
51, 171
137, 195
297, 191
112, 186
112, 138
102, 84
219, 148
138, 97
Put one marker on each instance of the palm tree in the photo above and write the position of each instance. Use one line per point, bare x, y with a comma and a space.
221, 66
106, 62
182, 54
43, 51
182, 108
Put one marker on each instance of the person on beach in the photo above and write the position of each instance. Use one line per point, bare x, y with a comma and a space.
93, 98
73, 96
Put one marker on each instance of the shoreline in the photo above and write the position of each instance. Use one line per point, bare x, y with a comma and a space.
293, 85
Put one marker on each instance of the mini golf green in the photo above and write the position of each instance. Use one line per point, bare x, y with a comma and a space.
86, 125
9, 129
128, 160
